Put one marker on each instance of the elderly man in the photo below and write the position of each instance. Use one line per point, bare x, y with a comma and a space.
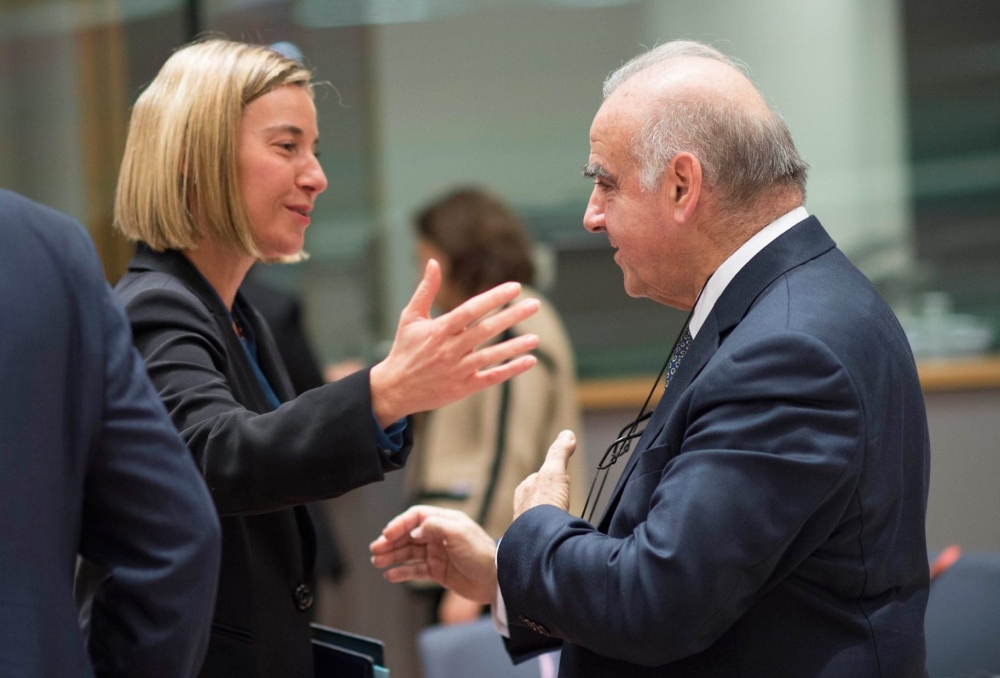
770, 521
90, 465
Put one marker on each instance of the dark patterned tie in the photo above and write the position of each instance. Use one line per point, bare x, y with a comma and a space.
683, 344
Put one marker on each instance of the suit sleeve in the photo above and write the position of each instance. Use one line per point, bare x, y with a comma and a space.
771, 449
316, 446
148, 522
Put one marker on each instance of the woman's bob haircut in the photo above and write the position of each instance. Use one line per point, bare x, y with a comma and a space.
179, 181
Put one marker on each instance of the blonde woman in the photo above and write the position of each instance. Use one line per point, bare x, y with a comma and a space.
220, 171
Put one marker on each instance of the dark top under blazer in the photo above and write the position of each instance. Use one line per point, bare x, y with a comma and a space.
260, 465
770, 523
89, 465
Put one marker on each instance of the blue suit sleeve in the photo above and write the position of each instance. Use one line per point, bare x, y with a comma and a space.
148, 522
768, 461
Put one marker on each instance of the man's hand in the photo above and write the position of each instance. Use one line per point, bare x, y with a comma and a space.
442, 545
550, 485
434, 362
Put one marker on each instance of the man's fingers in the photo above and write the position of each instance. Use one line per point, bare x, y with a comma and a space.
440, 528
408, 572
423, 297
459, 318
400, 554
557, 458
383, 545
401, 526
400, 531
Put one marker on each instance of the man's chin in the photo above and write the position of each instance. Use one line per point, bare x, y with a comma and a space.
633, 288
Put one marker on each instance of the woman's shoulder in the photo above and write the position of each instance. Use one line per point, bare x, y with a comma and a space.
163, 299
145, 287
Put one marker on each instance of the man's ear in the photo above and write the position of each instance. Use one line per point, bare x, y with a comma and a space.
682, 186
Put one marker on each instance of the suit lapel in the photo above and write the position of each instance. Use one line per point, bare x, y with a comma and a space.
702, 349
244, 380
801, 243
268, 356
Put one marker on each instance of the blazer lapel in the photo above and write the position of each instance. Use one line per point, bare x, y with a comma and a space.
801, 243
268, 356
243, 379
702, 349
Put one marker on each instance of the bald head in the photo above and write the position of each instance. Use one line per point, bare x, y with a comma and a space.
693, 78
684, 96
678, 49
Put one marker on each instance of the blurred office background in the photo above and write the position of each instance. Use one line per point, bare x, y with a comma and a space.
895, 103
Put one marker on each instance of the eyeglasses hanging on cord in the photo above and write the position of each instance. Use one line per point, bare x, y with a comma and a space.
623, 443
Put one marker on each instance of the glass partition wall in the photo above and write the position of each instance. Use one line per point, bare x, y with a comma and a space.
893, 102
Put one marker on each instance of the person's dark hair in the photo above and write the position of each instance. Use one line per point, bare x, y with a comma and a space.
485, 242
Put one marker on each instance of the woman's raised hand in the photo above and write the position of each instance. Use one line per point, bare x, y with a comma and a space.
436, 361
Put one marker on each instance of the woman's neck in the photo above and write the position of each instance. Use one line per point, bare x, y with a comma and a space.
223, 268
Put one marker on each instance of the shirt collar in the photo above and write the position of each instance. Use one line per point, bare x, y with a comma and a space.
723, 275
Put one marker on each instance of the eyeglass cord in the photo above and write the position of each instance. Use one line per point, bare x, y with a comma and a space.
621, 446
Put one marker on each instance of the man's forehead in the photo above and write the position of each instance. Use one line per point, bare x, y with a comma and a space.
611, 129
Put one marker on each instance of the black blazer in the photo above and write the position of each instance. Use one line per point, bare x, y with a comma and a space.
283, 314
260, 465
770, 523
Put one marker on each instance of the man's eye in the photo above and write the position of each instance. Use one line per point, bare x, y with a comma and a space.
287, 147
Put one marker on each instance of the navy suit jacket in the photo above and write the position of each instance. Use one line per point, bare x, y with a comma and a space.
770, 522
91, 465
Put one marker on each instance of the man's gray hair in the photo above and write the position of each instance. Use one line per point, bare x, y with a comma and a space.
742, 152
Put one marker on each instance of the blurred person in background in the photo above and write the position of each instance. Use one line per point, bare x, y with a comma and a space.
220, 171
472, 454
90, 465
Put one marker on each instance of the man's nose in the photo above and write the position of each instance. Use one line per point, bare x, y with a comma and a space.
593, 218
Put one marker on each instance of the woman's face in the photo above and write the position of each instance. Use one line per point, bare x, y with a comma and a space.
280, 175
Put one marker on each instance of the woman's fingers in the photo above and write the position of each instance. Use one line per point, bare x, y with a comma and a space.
475, 308
499, 353
420, 303
490, 327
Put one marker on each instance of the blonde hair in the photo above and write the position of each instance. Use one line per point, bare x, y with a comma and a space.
179, 179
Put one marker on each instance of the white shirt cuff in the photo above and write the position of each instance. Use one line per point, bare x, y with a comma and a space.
499, 610
499, 614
